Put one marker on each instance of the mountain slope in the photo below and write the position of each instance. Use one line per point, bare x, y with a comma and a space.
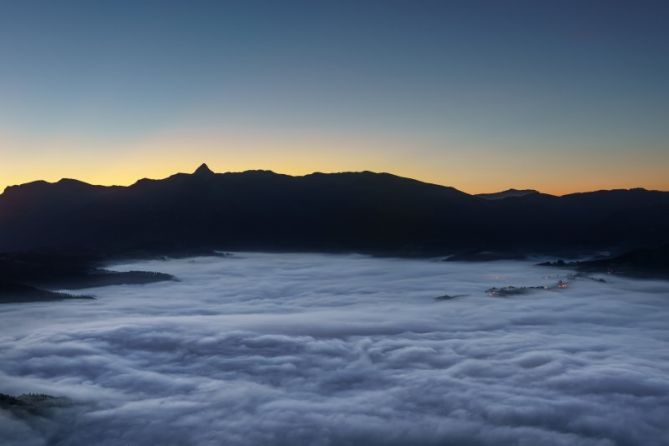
362, 211
509, 193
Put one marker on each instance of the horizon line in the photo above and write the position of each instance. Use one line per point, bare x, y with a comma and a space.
205, 166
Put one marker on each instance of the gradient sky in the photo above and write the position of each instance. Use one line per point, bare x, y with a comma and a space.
480, 95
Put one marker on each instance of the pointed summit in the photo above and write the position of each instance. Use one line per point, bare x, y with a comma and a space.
203, 170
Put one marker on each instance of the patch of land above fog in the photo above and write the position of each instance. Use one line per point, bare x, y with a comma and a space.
30, 403
642, 263
33, 277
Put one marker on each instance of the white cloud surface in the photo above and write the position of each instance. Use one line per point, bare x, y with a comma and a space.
292, 349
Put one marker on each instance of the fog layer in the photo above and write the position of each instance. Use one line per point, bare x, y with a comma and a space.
288, 349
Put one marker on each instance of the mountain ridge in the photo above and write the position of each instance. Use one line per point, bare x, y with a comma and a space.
509, 193
358, 211
204, 169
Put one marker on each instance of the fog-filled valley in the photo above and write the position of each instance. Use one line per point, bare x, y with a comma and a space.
318, 349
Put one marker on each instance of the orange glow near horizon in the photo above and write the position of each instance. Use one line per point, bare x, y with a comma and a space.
124, 176
474, 170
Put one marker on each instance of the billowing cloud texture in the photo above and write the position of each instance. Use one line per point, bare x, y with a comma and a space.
292, 349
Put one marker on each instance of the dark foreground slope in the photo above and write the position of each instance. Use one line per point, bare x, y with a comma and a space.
371, 212
645, 262
33, 277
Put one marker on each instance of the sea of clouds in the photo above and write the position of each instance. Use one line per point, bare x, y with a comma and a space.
308, 349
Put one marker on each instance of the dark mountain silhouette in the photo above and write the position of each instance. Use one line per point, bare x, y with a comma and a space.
30, 277
509, 193
362, 211
645, 262
203, 170
15, 293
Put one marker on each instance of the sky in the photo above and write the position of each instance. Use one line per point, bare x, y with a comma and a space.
559, 96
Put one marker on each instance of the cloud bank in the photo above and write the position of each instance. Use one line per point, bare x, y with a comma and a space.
288, 349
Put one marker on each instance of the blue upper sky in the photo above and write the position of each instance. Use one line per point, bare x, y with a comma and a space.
480, 95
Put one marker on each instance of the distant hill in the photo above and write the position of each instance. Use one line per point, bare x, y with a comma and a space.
31, 277
351, 211
646, 262
509, 193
